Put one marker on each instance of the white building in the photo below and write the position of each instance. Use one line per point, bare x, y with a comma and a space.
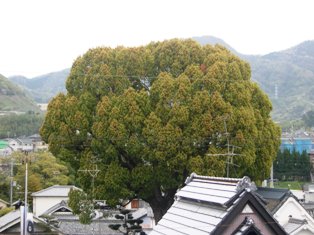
49, 197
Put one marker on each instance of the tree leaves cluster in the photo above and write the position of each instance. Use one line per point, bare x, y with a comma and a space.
81, 205
292, 166
152, 114
44, 170
14, 125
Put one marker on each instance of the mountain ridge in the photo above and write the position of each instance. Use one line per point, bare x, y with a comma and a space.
13, 98
43, 87
286, 76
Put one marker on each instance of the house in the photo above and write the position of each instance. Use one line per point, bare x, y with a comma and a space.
49, 197
30, 143
5, 149
308, 193
217, 206
287, 210
68, 223
38, 143
51, 205
10, 224
142, 210
298, 141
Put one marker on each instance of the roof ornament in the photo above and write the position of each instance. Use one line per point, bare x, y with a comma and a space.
249, 221
247, 184
190, 178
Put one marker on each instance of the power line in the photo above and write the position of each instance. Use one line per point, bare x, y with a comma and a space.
230, 153
92, 172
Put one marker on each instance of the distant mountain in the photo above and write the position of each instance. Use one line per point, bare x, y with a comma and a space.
44, 87
203, 40
286, 76
12, 98
288, 79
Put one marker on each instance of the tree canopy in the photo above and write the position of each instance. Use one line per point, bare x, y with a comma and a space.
292, 166
151, 115
14, 125
44, 170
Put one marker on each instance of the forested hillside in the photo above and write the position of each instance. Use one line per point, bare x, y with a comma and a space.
44, 87
12, 98
288, 79
286, 76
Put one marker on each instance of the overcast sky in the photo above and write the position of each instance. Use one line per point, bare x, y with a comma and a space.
42, 36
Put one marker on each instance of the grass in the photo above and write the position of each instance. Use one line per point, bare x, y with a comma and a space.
297, 185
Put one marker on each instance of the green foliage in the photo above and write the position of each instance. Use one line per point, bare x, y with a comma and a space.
14, 125
81, 205
44, 170
292, 72
294, 185
6, 210
292, 166
4, 183
151, 115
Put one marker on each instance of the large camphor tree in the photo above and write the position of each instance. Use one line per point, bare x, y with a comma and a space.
149, 116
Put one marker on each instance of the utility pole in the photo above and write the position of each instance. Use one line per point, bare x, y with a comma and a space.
92, 172
25, 211
11, 165
229, 154
11, 180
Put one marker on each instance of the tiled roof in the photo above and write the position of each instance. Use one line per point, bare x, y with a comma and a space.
201, 205
272, 193
274, 197
213, 190
294, 224
6, 219
96, 227
186, 217
55, 191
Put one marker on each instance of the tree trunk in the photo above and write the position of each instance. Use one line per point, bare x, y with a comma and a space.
161, 203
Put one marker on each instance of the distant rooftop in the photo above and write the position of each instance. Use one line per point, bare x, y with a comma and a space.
274, 197
55, 191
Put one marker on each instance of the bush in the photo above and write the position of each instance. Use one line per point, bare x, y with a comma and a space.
5, 210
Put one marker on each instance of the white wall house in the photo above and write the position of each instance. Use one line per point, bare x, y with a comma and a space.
294, 218
309, 193
14, 144
29, 144
49, 197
